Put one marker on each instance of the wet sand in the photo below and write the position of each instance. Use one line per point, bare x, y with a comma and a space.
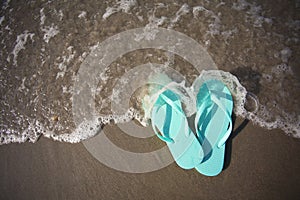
263, 165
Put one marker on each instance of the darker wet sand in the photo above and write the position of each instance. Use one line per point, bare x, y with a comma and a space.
264, 165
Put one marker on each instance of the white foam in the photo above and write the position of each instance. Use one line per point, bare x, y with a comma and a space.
183, 10
150, 28
89, 128
43, 17
82, 15
60, 14
121, 5
66, 60
20, 44
215, 26
22, 86
254, 12
31, 134
49, 32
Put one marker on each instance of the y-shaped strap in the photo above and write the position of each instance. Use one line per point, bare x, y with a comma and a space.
201, 117
220, 105
167, 120
227, 134
172, 104
169, 104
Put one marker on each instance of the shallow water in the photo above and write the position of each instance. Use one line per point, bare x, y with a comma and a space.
44, 45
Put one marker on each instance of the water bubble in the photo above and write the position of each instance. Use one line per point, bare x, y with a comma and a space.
251, 104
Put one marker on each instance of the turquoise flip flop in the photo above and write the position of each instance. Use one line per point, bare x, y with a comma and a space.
171, 126
213, 125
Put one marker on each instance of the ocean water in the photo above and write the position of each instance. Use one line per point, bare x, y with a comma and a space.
252, 46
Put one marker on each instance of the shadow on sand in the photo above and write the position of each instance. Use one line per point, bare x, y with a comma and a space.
228, 147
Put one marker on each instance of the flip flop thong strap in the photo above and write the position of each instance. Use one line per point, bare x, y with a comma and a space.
179, 110
174, 106
197, 119
227, 134
171, 103
221, 94
163, 138
227, 114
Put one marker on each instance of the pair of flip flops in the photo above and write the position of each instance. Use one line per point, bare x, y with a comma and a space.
213, 124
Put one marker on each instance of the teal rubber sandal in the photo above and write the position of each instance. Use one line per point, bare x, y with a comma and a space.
213, 125
171, 126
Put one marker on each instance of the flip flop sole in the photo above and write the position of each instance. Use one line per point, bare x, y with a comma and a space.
185, 148
214, 130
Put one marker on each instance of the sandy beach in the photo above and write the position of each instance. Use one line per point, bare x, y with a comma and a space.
263, 165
